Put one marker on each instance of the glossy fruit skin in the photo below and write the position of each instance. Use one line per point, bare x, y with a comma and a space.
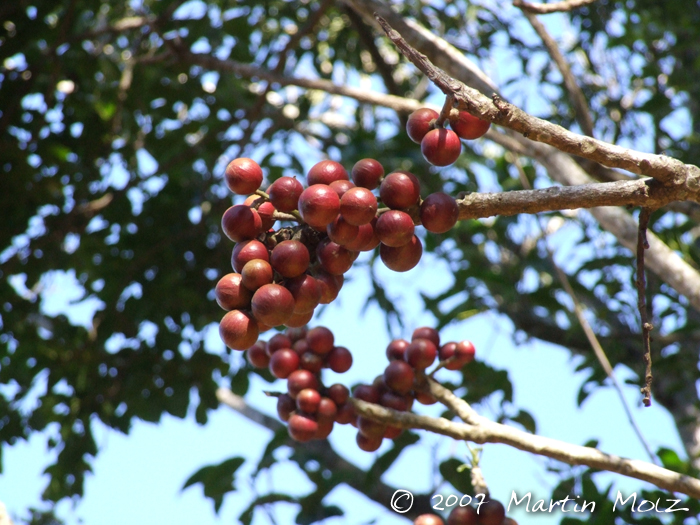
370, 428
341, 231
319, 205
339, 359
278, 342
462, 516
306, 291
418, 123
290, 258
327, 409
428, 519
325, 172
231, 294
403, 258
441, 147
346, 414
285, 406
469, 127
238, 330
335, 259
284, 193
272, 304
320, 339
308, 400
265, 210
257, 355
256, 273
365, 235
400, 190
367, 173
247, 251
341, 186
426, 332
367, 393
283, 362
491, 512
243, 176
299, 380
396, 349
338, 393
368, 444
311, 362
395, 401
302, 428
394, 228
399, 376
439, 212
330, 285
298, 320
241, 223
358, 206
457, 354
296, 334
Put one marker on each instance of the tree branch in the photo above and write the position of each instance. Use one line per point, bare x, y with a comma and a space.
556, 7
351, 474
481, 430
642, 245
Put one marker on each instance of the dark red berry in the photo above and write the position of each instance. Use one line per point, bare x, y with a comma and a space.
462, 516
243, 176
299, 380
339, 359
256, 273
272, 304
241, 223
320, 340
308, 400
469, 127
368, 444
238, 330
338, 393
306, 291
290, 258
285, 406
491, 512
247, 251
284, 193
283, 362
404, 257
439, 212
399, 190
319, 205
367, 173
325, 172
358, 206
394, 228
302, 428
441, 147
427, 333
231, 294
257, 355
399, 376
334, 259
397, 349
419, 123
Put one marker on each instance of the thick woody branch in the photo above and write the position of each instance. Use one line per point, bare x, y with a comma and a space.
556, 7
485, 431
351, 474
498, 111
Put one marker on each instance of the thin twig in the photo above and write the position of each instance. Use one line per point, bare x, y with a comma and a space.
647, 327
556, 7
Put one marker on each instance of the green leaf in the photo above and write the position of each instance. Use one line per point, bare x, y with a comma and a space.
216, 480
461, 481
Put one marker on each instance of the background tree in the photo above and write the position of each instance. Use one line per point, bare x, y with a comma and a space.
117, 122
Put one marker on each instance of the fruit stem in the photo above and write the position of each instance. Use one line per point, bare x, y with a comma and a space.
272, 394
450, 103
262, 194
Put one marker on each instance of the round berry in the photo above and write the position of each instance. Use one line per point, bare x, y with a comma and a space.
231, 294
284, 193
306, 291
308, 400
339, 359
394, 228
241, 223
285, 406
428, 519
320, 340
257, 356
397, 349
290, 258
302, 428
399, 190
335, 259
439, 212
325, 172
491, 512
404, 257
299, 380
238, 330
469, 127
441, 147
358, 206
283, 362
319, 205
247, 251
243, 176
399, 376
367, 173
427, 333
463, 516
272, 304
419, 123
256, 273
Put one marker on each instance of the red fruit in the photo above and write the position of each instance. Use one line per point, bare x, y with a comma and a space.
306, 291
285, 406
369, 393
278, 342
441, 147
365, 235
283, 362
296, 334
367, 173
325, 427
394, 228
462, 516
374, 241
425, 399
339, 359
457, 354
299, 320
284, 193
491, 512
427, 333
341, 186
299, 380
290, 258
465, 350
421, 353
301, 346
341, 231
397, 349
308, 400
358, 206
247, 251
243, 176
469, 127
320, 340
346, 414
238, 330
368, 444
393, 400
272, 304
325, 172
302, 428
265, 210
509, 521
428, 519
241, 223
256, 273
257, 356
439, 212
399, 376
404, 257
370, 428
335, 259
319, 205
327, 409
330, 285
392, 432
311, 362
400, 190
338, 393
419, 123
231, 294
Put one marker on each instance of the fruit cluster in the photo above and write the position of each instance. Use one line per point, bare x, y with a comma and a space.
281, 276
490, 512
299, 355
395, 388
441, 146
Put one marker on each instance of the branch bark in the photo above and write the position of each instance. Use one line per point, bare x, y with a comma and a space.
556, 7
480, 430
